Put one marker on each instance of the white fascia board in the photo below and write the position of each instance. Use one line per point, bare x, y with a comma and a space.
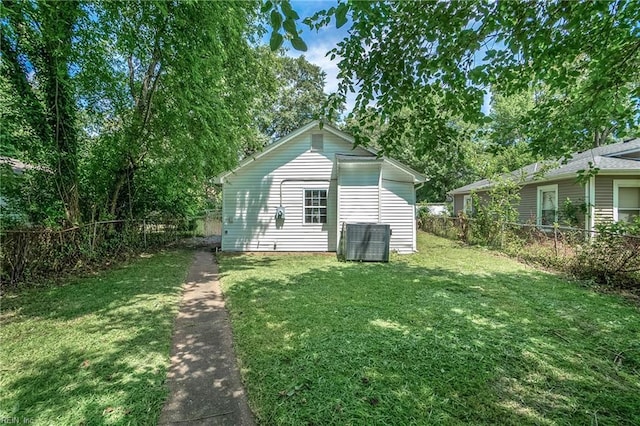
417, 177
268, 149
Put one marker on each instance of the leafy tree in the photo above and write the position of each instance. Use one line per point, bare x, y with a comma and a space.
471, 152
296, 96
582, 58
37, 46
448, 166
131, 105
506, 135
178, 101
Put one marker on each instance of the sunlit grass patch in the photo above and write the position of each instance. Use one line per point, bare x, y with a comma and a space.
94, 351
451, 334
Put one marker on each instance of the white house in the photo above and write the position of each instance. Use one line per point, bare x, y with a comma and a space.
296, 194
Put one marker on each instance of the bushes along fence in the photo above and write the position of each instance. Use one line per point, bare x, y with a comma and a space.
30, 255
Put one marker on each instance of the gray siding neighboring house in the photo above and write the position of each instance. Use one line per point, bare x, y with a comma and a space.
612, 194
320, 180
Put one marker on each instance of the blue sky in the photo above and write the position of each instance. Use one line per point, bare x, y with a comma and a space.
322, 41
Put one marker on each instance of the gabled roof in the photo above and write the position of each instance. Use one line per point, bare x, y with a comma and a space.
418, 177
606, 158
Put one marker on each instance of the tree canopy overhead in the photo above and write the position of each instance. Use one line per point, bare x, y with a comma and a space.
580, 59
296, 95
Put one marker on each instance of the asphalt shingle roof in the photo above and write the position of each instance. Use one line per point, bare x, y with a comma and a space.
606, 158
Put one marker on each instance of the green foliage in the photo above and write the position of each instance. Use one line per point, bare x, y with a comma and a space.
471, 153
38, 53
572, 214
132, 106
33, 256
448, 165
612, 257
581, 60
495, 212
283, 17
295, 94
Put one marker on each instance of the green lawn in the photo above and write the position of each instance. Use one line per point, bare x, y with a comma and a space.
450, 335
94, 351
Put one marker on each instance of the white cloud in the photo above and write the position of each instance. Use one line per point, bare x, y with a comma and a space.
317, 55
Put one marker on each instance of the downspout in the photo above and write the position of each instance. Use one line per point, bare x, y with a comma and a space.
415, 214
380, 193
592, 204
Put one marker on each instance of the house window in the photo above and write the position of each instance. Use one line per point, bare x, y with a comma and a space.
626, 199
547, 205
315, 206
467, 204
317, 142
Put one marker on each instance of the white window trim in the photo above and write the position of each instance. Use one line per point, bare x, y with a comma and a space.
621, 183
304, 206
469, 198
539, 192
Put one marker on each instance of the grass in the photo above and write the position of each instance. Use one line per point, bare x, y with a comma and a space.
450, 335
94, 351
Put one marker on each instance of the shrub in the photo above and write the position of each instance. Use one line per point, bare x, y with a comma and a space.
494, 215
613, 255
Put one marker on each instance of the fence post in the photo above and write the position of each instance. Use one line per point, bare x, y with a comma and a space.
502, 236
144, 232
93, 242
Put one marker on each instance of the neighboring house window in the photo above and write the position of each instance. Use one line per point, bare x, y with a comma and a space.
467, 204
626, 199
547, 205
317, 142
315, 206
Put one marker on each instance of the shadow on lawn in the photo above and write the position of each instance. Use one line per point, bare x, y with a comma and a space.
203, 378
114, 337
404, 343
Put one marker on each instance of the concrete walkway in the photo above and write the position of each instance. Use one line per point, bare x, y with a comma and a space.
204, 381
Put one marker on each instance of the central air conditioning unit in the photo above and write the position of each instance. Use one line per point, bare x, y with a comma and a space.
367, 242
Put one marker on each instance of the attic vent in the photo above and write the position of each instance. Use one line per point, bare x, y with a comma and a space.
317, 142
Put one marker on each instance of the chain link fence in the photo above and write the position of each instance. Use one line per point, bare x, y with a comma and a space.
29, 255
608, 258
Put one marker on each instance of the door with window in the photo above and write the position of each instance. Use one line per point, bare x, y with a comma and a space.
626, 199
547, 205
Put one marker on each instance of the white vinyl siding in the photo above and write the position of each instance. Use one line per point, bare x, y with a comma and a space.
359, 193
626, 199
252, 195
398, 201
